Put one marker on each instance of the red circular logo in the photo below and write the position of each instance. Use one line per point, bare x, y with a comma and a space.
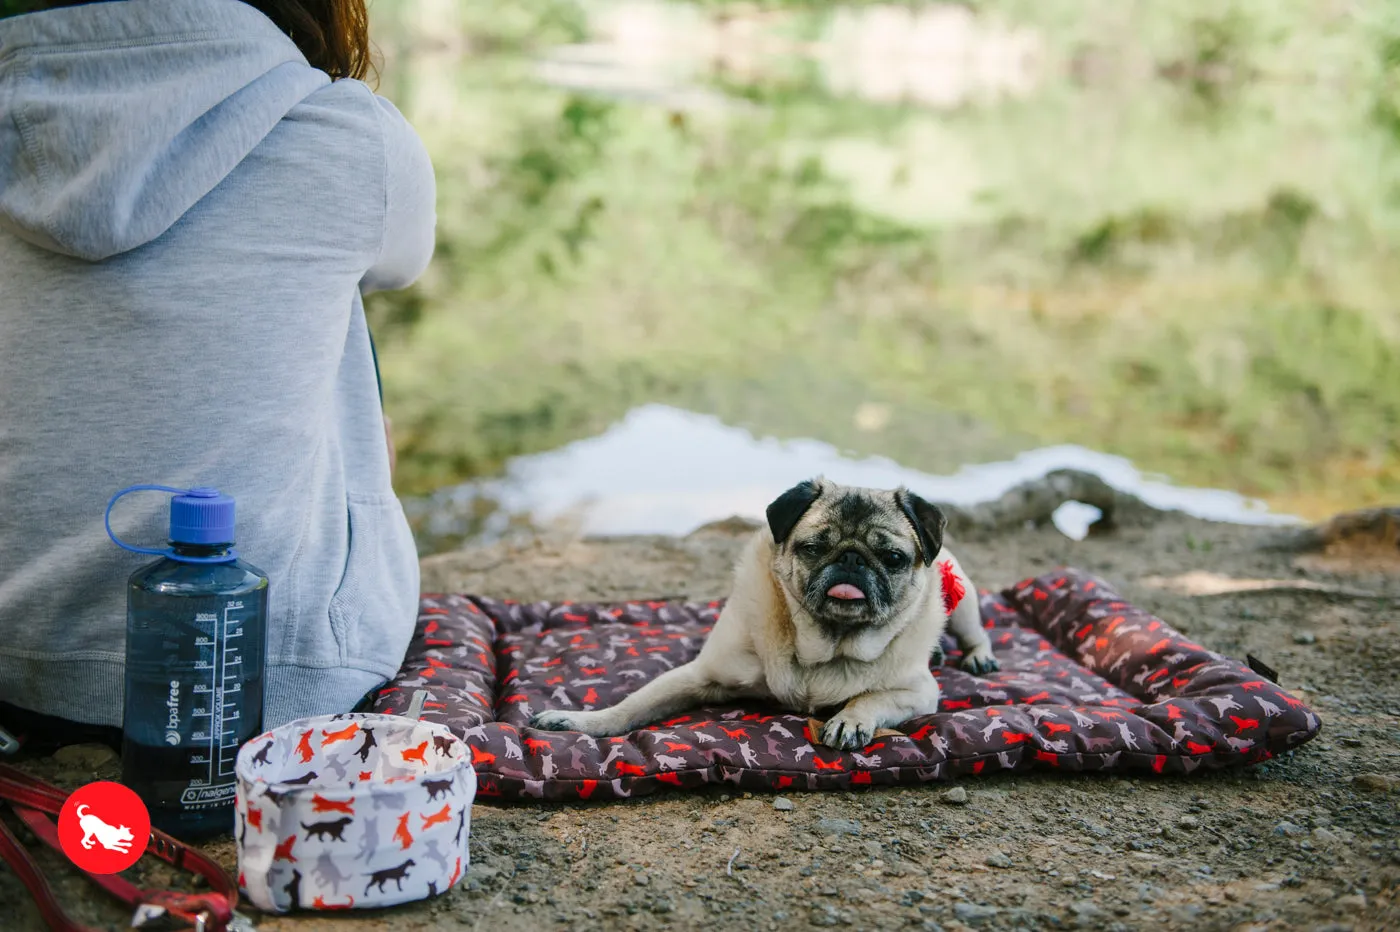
104, 827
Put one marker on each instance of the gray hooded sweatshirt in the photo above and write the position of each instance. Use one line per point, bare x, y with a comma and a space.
189, 214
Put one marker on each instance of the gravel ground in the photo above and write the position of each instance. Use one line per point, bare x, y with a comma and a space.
1310, 841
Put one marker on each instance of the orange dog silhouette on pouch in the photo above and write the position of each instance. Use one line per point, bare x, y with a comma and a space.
401, 834
304, 747
345, 734
437, 818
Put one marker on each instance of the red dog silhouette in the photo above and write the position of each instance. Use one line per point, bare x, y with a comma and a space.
304, 747
401, 834
320, 804
345, 734
283, 851
437, 818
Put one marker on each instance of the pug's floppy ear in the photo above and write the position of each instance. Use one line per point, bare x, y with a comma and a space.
787, 509
929, 523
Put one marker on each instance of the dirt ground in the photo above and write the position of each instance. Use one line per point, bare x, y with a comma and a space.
1310, 841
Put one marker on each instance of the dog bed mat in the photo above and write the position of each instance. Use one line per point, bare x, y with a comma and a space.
1087, 682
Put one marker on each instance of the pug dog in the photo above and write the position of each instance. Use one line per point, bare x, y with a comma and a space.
838, 602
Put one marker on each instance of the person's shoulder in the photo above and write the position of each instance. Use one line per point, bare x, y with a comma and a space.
357, 101
368, 118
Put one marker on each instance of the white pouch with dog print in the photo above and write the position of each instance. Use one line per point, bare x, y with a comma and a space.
352, 811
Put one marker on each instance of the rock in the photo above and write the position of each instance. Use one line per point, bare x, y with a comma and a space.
641, 880
1188, 822
957, 796
1354, 903
1289, 828
998, 860
1304, 637
783, 804
1086, 910
1376, 782
1326, 836
973, 914
838, 826
1187, 914
87, 757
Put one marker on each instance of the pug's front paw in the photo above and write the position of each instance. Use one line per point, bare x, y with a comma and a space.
848, 731
979, 660
594, 723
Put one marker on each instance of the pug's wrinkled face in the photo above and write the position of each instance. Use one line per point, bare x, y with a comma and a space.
854, 557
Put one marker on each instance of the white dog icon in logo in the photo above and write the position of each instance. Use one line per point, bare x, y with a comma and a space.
112, 837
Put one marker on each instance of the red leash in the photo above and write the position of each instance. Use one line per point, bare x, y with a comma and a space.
35, 801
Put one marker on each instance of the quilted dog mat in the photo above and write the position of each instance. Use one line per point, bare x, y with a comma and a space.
1087, 682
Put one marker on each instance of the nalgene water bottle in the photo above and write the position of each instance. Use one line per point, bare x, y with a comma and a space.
196, 636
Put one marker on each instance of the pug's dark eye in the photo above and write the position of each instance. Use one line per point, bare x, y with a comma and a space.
809, 548
894, 559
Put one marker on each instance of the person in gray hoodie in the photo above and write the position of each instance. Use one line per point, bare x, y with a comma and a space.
194, 196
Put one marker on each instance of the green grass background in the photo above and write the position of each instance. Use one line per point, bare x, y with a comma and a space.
1181, 248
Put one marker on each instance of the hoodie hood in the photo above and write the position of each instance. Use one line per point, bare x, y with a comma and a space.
117, 117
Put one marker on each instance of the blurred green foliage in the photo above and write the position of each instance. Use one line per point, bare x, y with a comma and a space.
1179, 246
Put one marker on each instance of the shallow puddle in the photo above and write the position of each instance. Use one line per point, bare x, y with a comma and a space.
662, 470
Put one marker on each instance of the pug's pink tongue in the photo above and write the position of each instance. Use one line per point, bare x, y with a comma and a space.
845, 591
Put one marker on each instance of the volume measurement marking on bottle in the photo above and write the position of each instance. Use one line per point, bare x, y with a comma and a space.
221, 710
229, 702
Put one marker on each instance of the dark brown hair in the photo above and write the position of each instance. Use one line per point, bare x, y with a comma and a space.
332, 34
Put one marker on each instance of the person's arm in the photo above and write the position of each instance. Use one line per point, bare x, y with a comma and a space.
410, 205
410, 218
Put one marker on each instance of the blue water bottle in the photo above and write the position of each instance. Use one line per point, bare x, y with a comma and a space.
196, 639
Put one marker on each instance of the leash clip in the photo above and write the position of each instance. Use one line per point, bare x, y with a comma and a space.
196, 912
241, 923
147, 914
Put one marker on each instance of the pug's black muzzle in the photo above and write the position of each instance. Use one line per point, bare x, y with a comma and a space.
851, 568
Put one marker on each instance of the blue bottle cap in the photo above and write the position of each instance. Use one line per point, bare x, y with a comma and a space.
200, 516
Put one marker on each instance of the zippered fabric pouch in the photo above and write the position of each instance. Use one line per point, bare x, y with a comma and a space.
352, 811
